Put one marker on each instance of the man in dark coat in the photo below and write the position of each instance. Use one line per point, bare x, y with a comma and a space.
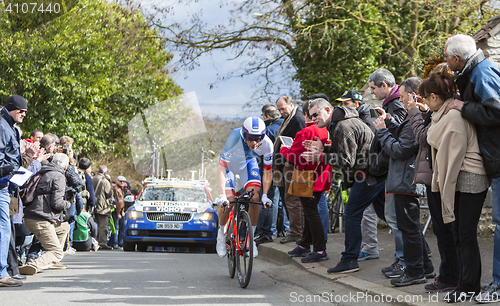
293, 122
478, 81
42, 216
14, 111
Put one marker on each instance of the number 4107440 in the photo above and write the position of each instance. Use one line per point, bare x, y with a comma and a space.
32, 8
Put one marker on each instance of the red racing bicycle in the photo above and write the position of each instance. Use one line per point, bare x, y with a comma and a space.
239, 241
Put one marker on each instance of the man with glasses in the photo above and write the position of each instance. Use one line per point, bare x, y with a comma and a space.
350, 144
238, 170
293, 122
383, 86
478, 81
14, 112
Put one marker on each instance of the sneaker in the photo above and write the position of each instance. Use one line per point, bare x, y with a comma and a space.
345, 267
438, 286
490, 295
314, 257
406, 280
391, 267
457, 296
70, 251
289, 238
263, 239
105, 247
398, 271
430, 275
10, 282
19, 277
221, 245
27, 270
255, 250
299, 252
365, 256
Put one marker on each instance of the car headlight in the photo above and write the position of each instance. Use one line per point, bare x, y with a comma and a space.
205, 216
134, 214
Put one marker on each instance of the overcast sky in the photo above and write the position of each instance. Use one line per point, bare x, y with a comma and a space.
228, 98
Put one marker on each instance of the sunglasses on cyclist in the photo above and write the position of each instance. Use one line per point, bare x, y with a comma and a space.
255, 138
312, 116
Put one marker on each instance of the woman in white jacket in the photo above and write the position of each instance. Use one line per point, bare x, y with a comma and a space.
459, 175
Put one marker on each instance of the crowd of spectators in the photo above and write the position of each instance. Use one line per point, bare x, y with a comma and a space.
435, 138
51, 214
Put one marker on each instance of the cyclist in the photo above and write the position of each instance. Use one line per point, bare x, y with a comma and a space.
238, 169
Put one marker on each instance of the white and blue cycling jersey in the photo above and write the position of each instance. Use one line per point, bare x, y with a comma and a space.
240, 161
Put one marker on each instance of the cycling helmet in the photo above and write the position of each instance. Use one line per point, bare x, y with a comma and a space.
254, 129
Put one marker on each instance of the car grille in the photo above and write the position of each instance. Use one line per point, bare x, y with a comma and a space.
163, 216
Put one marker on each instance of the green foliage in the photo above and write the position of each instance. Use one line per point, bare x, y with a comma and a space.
339, 44
85, 73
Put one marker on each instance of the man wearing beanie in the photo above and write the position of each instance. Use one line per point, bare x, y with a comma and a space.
14, 111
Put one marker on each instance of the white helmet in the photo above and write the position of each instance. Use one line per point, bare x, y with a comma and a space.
253, 126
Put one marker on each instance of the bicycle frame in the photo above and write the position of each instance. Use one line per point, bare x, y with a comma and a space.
239, 242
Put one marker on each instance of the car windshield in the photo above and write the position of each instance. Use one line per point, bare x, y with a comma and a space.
162, 193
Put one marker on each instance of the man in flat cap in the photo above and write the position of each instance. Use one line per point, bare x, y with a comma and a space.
14, 112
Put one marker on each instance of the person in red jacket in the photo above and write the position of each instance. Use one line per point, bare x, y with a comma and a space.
313, 232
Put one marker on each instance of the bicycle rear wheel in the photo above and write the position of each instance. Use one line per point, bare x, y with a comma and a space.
334, 211
244, 258
230, 246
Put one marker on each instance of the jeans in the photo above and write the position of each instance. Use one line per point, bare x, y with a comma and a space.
360, 198
408, 218
323, 213
390, 218
495, 188
267, 215
72, 225
313, 232
4, 231
467, 211
116, 239
448, 269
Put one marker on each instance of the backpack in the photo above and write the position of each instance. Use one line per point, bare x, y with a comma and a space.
84, 192
28, 193
81, 231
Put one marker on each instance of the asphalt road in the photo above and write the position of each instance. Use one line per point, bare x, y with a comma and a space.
160, 278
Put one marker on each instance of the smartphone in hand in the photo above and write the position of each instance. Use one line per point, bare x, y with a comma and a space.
373, 113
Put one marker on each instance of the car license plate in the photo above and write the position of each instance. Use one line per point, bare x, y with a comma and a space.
174, 226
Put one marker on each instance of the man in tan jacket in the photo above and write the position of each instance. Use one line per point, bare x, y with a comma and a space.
102, 211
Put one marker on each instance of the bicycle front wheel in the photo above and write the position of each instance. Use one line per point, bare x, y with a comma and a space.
231, 246
244, 258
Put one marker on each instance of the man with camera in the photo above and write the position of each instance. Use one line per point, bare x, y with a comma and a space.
43, 215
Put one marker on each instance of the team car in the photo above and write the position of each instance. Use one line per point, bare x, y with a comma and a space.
171, 212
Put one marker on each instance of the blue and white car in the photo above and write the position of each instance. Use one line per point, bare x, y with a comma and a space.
171, 213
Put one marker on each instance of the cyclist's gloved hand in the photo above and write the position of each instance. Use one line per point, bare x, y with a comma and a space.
222, 200
266, 201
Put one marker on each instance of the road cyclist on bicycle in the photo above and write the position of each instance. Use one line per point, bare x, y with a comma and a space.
238, 170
